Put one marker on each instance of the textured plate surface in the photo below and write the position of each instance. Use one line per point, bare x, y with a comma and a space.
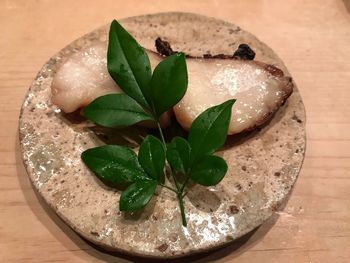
263, 165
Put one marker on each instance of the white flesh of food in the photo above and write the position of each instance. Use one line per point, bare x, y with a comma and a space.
84, 77
258, 92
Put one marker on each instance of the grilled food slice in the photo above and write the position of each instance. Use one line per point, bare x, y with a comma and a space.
259, 89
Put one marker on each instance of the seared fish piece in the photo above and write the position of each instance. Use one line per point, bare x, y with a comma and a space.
84, 76
259, 89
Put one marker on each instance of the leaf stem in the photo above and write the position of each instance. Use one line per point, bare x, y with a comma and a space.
165, 147
182, 209
169, 188
161, 134
184, 184
179, 190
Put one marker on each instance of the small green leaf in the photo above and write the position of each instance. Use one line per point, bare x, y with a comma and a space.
128, 63
114, 164
115, 110
152, 157
137, 195
169, 83
209, 170
178, 154
209, 130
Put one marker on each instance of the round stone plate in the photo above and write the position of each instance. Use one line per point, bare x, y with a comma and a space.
263, 165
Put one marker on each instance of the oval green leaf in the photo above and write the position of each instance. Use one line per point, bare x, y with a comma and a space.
152, 157
114, 164
209, 170
178, 154
128, 63
137, 195
209, 130
169, 83
115, 110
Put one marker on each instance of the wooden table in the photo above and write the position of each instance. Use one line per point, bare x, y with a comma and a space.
312, 37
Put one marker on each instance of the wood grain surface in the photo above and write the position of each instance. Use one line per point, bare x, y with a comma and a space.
312, 37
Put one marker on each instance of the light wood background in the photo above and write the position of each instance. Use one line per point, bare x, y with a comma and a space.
312, 37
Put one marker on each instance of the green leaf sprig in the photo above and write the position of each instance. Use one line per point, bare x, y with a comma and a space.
147, 96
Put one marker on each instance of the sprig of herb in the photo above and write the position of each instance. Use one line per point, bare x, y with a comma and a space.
147, 96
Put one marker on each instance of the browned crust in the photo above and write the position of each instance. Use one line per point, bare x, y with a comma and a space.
244, 52
274, 71
217, 56
163, 47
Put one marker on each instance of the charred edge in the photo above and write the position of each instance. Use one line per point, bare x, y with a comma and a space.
220, 56
163, 47
274, 70
244, 52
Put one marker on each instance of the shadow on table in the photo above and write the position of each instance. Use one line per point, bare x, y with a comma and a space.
347, 5
51, 221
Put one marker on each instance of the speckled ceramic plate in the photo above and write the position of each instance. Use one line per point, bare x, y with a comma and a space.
263, 165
